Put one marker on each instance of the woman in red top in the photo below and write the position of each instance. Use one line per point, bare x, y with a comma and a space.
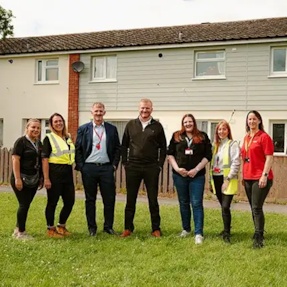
257, 154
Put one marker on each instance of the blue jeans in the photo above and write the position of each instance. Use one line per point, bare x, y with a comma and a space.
190, 190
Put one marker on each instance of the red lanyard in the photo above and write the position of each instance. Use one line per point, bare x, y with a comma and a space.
100, 137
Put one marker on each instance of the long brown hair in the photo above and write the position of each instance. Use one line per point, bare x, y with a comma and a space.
217, 139
64, 131
258, 116
196, 135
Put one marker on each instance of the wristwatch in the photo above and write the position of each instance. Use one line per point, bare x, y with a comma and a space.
228, 178
265, 173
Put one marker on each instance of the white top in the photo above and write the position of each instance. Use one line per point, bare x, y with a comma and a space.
145, 124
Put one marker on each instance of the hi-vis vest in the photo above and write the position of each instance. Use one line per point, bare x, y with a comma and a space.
61, 154
233, 184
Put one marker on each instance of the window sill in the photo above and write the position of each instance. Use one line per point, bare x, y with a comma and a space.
279, 154
102, 81
277, 76
208, 78
47, 83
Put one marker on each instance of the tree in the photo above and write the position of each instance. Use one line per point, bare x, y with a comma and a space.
6, 27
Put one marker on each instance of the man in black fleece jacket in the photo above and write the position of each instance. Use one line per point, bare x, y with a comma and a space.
143, 155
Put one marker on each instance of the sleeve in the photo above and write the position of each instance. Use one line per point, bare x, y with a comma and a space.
19, 147
235, 159
172, 146
162, 147
267, 144
125, 145
79, 158
208, 152
117, 144
47, 149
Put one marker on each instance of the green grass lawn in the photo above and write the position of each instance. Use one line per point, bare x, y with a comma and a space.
140, 260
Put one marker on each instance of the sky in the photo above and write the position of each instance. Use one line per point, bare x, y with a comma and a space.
51, 17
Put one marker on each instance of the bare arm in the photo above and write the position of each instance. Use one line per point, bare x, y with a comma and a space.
267, 166
45, 166
181, 171
16, 171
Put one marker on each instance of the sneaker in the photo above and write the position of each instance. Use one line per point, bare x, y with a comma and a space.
156, 233
184, 234
23, 236
126, 233
15, 233
198, 239
63, 230
52, 232
258, 240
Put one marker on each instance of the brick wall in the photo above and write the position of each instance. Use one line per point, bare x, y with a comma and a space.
73, 113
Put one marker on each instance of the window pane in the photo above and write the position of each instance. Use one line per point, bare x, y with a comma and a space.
111, 67
121, 125
1, 132
52, 74
279, 60
39, 70
99, 68
279, 137
52, 63
202, 125
210, 68
211, 55
212, 131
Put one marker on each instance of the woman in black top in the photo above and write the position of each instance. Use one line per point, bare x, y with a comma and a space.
189, 152
26, 174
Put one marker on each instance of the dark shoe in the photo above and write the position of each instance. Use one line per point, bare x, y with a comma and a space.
126, 233
226, 236
110, 231
258, 241
93, 232
156, 233
221, 233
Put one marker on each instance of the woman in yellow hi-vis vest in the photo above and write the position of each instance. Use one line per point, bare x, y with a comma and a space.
224, 169
58, 157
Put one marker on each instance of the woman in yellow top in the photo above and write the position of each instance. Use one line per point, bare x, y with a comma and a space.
224, 169
58, 157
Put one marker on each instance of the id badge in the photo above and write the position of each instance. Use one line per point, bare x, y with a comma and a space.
216, 170
188, 151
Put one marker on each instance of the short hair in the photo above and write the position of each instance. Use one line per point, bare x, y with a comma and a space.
99, 104
30, 121
146, 101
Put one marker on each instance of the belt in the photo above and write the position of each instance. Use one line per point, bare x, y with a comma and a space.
99, 163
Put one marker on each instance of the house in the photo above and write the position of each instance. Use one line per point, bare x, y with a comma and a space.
213, 70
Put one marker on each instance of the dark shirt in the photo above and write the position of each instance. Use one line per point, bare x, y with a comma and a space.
200, 150
29, 157
57, 172
146, 146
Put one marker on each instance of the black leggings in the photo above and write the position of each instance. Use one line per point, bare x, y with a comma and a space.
24, 197
225, 202
256, 197
67, 191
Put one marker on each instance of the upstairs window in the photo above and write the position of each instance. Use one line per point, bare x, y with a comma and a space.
105, 69
279, 61
48, 71
210, 64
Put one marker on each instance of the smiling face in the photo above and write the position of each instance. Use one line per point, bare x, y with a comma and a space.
58, 124
145, 110
223, 131
253, 122
33, 130
98, 112
188, 124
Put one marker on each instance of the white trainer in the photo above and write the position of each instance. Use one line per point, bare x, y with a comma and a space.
183, 234
198, 239
24, 236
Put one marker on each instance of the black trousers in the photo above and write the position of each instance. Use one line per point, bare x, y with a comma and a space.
256, 197
66, 190
225, 202
24, 197
134, 175
102, 176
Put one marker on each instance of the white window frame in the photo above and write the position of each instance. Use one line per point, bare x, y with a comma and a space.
104, 78
44, 69
278, 74
44, 128
205, 77
209, 122
285, 136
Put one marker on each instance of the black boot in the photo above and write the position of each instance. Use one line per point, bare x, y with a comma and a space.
258, 240
226, 236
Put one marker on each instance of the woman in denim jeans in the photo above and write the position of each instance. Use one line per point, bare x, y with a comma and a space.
189, 151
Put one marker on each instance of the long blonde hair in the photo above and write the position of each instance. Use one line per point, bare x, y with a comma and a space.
29, 122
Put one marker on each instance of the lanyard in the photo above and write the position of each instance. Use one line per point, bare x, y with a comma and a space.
247, 146
189, 142
99, 136
33, 144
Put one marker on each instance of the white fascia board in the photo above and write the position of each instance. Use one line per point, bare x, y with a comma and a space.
151, 47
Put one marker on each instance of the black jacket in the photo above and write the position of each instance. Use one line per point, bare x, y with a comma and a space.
200, 150
84, 144
146, 146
